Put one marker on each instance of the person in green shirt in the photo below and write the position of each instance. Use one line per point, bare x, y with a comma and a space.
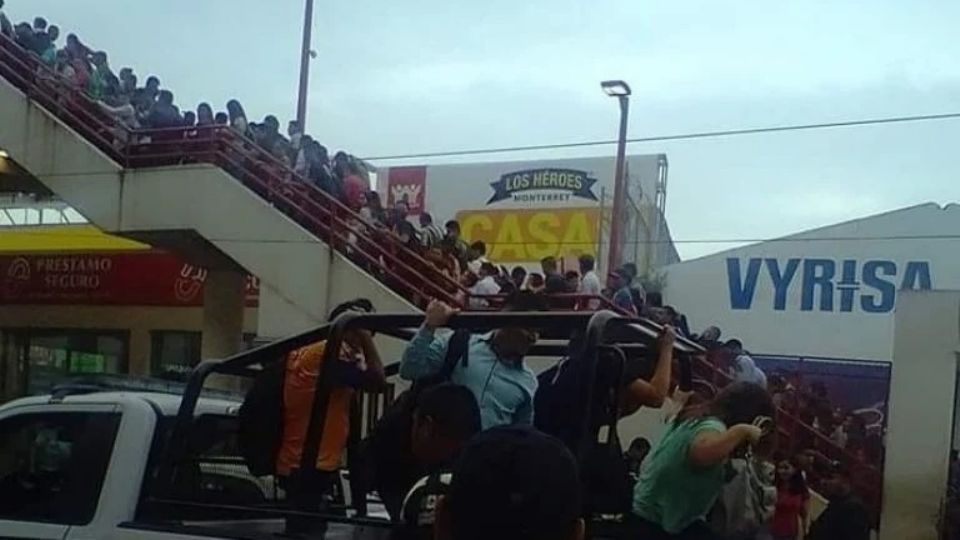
49, 51
684, 474
100, 78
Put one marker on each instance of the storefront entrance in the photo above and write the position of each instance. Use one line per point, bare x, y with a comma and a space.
33, 361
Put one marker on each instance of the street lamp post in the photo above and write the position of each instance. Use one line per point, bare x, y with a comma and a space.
305, 65
621, 91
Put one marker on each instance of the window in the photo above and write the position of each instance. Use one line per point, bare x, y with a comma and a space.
49, 356
218, 472
52, 465
173, 353
213, 472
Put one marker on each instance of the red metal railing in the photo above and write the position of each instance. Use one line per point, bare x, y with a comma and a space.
379, 252
557, 301
794, 436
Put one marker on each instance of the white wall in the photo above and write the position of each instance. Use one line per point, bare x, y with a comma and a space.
455, 187
702, 288
922, 386
301, 276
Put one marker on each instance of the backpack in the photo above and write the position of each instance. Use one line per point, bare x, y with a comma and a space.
260, 420
389, 457
558, 402
559, 411
746, 502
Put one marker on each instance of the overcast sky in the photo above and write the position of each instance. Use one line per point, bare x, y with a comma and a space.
395, 77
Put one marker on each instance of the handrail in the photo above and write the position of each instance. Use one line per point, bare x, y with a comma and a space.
273, 180
243, 146
570, 301
26, 70
782, 411
171, 146
296, 181
869, 479
224, 138
286, 190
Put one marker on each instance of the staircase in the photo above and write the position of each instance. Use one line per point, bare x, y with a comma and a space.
206, 186
794, 436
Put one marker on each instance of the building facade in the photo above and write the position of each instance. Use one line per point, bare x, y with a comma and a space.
527, 210
829, 292
76, 301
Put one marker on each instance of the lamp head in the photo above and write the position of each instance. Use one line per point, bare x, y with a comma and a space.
615, 88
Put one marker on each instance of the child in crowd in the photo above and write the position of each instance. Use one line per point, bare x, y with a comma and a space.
793, 499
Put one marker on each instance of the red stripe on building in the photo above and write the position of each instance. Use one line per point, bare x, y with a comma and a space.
140, 279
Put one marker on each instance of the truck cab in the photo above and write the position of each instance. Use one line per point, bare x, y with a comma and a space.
74, 466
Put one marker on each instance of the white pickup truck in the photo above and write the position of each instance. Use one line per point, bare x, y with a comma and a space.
80, 466
114, 465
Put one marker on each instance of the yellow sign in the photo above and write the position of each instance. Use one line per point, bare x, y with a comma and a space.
516, 235
53, 238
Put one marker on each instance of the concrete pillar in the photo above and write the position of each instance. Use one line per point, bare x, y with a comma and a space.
223, 300
10, 375
926, 341
140, 351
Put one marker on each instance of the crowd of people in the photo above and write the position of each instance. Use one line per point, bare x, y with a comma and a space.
491, 465
809, 467
809, 402
484, 283
150, 106
487, 458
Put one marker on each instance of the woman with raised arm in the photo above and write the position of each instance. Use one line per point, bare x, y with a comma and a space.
684, 474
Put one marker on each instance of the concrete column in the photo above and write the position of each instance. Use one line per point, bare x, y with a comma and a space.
223, 299
10, 375
139, 351
926, 341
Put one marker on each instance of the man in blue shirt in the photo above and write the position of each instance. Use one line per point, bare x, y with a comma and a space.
493, 369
